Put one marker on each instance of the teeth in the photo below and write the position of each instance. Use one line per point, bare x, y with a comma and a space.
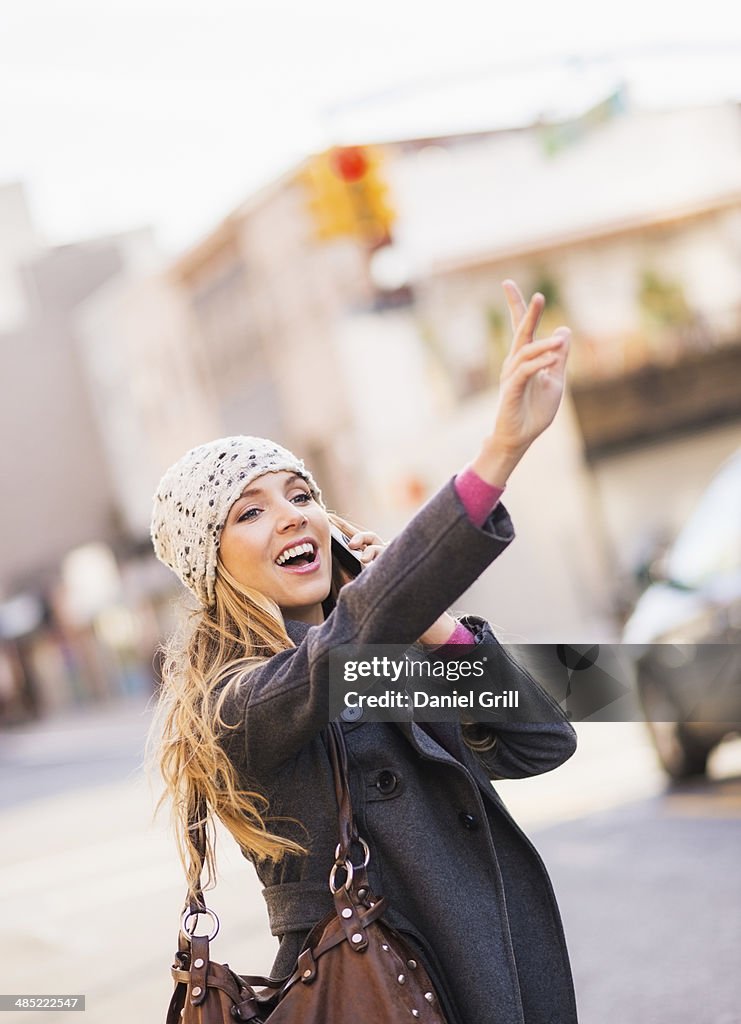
300, 549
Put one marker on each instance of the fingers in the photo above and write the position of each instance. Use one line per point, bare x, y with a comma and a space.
554, 345
524, 373
366, 545
550, 354
515, 302
528, 320
364, 538
370, 553
529, 323
518, 308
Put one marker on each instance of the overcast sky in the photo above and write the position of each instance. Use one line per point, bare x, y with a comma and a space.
120, 113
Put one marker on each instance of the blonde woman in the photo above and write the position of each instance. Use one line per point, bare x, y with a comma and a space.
245, 703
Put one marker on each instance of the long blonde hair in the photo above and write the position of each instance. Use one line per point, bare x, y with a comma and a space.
204, 662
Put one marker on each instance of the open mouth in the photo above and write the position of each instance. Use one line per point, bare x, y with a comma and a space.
297, 557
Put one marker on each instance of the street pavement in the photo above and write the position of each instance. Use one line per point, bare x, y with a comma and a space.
647, 878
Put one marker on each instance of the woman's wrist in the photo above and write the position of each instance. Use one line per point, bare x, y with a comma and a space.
495, 463
440, 631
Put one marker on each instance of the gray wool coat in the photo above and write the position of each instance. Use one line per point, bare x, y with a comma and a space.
464, 884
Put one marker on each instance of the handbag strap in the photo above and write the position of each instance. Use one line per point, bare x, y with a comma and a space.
347, 830
338, 758
197, 830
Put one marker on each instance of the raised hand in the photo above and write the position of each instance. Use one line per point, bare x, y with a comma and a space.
530, 387
532, 379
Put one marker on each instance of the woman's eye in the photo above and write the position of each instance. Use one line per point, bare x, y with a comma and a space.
302, 497
249, 513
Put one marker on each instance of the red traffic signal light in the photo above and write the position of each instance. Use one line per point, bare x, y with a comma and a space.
347, 194
349, 163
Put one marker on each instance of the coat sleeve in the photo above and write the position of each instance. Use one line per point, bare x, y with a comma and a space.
521, 748
284, 702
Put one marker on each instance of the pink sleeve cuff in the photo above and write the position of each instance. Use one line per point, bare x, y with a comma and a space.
460, 635
478, 497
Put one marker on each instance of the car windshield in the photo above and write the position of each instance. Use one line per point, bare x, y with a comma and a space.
710, 543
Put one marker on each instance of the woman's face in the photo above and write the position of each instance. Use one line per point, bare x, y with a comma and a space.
275, 514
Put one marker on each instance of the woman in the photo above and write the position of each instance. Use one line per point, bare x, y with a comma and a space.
245, 702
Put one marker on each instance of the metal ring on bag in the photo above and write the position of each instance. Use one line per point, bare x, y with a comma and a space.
347, 865
366, 853
189, 913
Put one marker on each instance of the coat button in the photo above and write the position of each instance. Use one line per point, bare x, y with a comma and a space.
351, 714
386, 782
469, 821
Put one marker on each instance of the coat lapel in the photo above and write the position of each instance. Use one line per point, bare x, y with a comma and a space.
443, 742
428, 741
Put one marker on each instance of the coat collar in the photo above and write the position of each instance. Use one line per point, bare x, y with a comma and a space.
297, 630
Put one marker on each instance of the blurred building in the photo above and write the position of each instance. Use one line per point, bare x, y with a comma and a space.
151, 394
465, 196
56, 468
61, 517
19, 241
265, 296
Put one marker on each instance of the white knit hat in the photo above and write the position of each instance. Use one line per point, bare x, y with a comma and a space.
194, 496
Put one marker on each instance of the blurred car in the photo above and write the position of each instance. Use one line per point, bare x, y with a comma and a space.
687, 628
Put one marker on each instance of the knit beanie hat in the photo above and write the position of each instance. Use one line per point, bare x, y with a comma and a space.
194, 496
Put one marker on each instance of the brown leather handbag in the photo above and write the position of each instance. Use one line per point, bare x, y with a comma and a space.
353, 966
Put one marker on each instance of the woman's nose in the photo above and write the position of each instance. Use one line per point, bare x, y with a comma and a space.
290, 515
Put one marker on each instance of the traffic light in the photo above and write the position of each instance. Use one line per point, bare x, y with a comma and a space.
347, 195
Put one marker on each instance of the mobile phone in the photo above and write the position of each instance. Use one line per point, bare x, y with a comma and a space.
347, 558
